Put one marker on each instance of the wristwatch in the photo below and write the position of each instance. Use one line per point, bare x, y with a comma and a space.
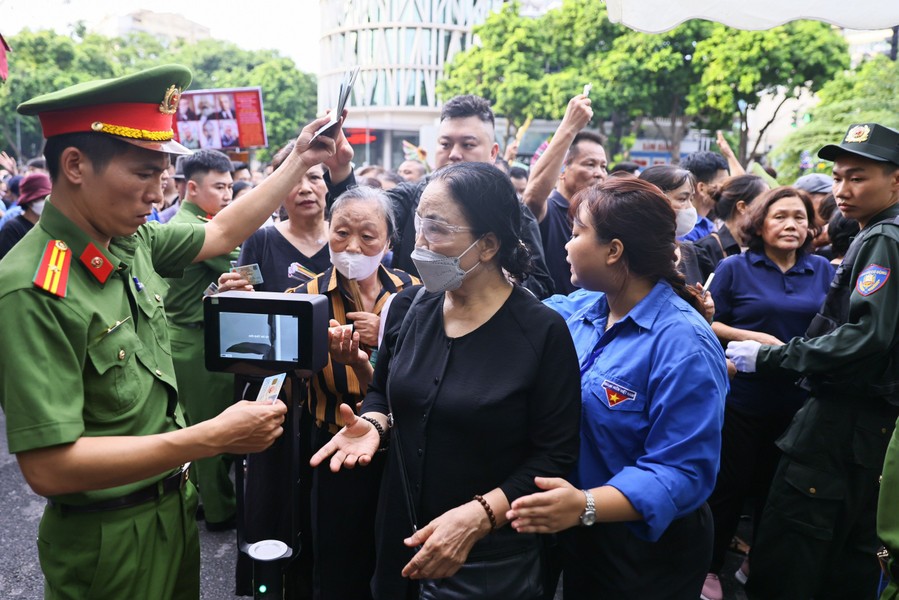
589, 516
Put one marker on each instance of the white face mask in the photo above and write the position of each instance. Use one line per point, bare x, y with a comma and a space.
37, 206
686, 221
355, 265
440, 273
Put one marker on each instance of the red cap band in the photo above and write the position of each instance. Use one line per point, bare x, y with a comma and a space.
146, 120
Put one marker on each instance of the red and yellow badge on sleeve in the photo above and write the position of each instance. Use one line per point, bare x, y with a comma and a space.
53, 272
871, 279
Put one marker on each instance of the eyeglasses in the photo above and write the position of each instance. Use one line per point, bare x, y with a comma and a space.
436, 232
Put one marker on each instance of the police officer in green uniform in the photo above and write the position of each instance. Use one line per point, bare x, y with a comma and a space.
817, 535
204, 394
888, 516
88, 386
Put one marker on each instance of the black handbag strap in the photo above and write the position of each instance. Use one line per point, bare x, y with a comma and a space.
410, 501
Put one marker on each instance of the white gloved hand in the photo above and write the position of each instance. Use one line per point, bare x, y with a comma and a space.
743, 355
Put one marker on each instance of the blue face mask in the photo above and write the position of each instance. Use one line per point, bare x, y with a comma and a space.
440, 273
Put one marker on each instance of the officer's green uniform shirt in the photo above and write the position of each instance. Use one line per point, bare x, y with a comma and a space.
66, 370
183, 300
857, 350
204, 394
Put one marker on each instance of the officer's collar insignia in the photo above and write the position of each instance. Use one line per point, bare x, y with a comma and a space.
857, 134
53, 271
871, 279
616, 394
169, 104
97, 264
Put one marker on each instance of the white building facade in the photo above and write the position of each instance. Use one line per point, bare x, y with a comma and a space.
401, 47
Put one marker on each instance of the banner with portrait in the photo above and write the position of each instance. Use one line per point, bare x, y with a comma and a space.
223, 119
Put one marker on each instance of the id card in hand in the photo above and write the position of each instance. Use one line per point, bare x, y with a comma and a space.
252, 273
270, 389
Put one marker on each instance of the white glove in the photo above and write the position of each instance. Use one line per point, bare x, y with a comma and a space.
743, 355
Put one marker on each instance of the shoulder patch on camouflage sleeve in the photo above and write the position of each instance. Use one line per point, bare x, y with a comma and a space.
872, 278
53, 271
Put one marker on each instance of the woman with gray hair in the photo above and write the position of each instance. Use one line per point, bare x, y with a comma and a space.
358, 287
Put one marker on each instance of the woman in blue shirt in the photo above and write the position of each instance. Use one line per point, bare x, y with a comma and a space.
653, 382
768, 294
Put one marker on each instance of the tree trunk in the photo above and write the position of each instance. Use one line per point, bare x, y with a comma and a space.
762, 131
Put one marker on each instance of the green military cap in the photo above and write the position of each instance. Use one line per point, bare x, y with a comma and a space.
138, 108
869, 140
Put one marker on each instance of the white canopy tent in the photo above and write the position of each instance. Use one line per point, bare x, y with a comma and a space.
654, 16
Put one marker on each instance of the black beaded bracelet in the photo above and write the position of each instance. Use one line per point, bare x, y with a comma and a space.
487, 508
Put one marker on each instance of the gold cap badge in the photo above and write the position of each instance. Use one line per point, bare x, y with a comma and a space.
169, 104
858, 134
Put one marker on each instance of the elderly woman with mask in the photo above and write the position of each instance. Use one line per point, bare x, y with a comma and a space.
357, 286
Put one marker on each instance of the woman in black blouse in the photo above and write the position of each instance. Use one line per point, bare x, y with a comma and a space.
294, 250
484, 389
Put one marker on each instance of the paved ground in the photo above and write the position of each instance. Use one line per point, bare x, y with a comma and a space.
20, 573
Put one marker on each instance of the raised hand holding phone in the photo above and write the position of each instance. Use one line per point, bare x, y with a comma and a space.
346, 87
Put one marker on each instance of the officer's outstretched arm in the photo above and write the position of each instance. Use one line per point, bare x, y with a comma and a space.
93, 463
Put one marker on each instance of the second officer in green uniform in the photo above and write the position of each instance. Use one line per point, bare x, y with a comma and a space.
204, 394
817, 534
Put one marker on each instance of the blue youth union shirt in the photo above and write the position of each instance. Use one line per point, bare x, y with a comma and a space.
652, 403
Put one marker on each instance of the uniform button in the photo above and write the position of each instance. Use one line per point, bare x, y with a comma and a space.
158, 373
122, 354
883, 430
420, 451
158, 297
436, 380
812, 491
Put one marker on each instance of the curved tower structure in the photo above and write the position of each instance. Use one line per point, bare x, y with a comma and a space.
401, 47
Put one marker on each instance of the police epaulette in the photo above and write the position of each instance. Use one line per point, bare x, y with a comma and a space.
53, 271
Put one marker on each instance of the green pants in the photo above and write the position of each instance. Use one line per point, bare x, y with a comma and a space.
817, 535
150, 551
203, 395
888, 509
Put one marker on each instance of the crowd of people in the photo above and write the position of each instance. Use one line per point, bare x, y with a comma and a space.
557, 375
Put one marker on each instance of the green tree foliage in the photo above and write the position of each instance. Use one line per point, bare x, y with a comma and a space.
869, 93
741, 66
43, 61
504, 68
693, 74
651, 76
